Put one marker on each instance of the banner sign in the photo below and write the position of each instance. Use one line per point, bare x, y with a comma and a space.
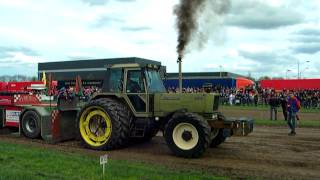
12, 115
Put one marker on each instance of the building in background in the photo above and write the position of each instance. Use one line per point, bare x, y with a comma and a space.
92, 73
198, 79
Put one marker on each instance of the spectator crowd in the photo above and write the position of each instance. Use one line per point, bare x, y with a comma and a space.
254, 97
70, 92
228, 96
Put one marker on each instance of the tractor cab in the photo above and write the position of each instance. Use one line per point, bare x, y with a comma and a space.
138, 82
132, 78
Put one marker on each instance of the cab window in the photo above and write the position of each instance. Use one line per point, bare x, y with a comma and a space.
115, 80
154, 81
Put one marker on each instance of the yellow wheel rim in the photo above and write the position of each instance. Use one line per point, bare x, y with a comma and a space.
95, 126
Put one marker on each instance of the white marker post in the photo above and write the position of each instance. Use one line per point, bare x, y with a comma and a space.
103, 161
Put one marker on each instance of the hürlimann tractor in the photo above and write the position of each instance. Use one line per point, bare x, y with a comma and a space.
134, 106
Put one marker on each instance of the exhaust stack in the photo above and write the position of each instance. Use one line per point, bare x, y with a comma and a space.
180, 73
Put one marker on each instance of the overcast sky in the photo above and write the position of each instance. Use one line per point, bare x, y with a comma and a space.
260, 37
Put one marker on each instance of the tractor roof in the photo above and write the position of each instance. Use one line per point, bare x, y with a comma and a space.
95, 63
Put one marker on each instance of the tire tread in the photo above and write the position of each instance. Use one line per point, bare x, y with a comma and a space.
121, 121
204, 136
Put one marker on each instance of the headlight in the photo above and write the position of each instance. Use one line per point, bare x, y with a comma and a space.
214, 116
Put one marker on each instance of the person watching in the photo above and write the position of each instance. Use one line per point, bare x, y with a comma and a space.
292, 108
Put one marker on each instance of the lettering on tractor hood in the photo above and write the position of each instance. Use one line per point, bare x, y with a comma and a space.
200, 103
169, 98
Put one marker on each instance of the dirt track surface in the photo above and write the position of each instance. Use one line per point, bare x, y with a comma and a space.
265, 114
268, 153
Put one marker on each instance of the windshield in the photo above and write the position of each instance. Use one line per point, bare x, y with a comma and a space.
154, 81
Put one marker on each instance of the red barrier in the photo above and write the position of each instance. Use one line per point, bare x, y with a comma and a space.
291, 84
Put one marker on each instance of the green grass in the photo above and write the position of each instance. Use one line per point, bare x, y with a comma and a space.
25, 162
264, 107
302, 123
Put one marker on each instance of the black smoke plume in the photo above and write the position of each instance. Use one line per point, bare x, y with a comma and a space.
189, 14
186, 22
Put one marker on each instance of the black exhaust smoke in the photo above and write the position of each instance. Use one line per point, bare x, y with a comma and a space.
189, 15
186, 12
192, 13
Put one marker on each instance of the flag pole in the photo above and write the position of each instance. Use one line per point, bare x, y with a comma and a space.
49, 89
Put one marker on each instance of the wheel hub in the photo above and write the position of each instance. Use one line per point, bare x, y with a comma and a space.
186, 135
31, 125
95, 126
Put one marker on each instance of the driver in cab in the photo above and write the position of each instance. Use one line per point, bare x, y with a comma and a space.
132, 85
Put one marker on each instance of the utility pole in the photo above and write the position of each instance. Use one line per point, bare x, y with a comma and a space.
288, 70
299, 73
298, 69
303, 71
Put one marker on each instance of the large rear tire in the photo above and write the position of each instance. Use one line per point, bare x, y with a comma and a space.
104, 124
187, 135
30, 124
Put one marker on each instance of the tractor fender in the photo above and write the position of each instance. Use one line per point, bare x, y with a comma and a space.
171, 115
178, 112
106, 95
41, 111
118, 97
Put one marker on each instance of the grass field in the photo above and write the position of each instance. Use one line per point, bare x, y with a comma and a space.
261, 115
279, 122
302, 123
263, 107
25, 162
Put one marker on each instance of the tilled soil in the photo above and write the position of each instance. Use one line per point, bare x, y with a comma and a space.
267, 153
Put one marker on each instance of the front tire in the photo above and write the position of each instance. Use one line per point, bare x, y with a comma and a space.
104, 124
187, 135
30, 124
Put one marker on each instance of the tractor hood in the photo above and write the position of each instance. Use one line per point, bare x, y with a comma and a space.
201, 103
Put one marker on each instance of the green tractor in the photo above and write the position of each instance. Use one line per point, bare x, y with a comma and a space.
134, 106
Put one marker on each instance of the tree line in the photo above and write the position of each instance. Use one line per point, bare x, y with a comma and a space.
17, 78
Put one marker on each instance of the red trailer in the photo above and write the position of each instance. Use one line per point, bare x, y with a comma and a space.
21, 107
15, 95
291, 84
3, 86
26, 86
